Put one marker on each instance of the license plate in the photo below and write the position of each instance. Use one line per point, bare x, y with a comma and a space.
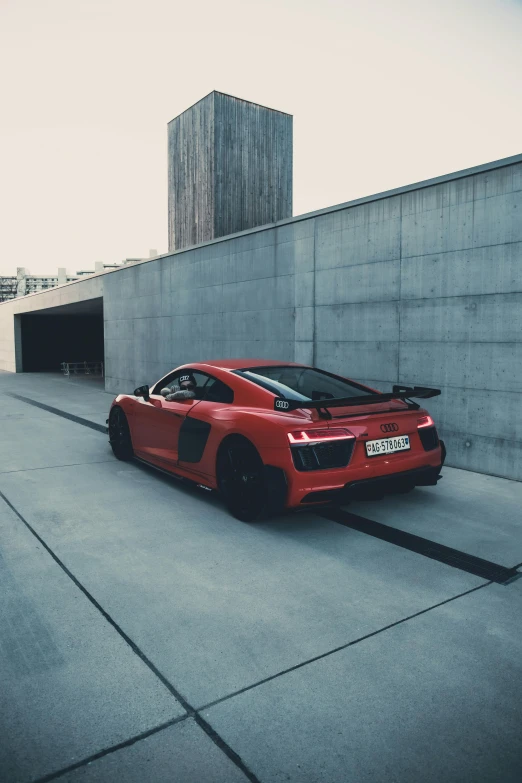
387, 445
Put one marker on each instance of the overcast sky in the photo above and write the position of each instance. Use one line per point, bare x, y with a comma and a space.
383, 93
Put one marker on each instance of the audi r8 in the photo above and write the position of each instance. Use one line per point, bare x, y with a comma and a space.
270, 435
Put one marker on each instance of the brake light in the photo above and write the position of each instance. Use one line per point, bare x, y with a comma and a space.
312, 436
425, 421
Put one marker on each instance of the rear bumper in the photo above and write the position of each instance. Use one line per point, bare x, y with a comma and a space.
304, 488
353, 490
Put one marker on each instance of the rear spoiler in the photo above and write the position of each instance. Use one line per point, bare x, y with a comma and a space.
398, 393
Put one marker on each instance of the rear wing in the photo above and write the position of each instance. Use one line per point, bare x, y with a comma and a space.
398, 393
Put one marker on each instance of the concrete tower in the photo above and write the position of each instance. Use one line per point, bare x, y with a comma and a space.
230, 169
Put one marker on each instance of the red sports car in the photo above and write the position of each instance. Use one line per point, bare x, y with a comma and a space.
271, 435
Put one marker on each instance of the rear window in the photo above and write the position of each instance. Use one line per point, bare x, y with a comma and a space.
303, 383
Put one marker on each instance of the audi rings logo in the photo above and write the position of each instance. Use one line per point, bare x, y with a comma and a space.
389, 427
282, 405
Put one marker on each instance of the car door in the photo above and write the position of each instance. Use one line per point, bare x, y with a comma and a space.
155, 429
168, 420
158, 423
202, 427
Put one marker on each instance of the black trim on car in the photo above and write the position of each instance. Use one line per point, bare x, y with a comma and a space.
323, 456
420, 477
276, 488
429, 438
193, 437
368, 399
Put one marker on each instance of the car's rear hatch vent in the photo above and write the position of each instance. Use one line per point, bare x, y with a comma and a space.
320, 456
429, 438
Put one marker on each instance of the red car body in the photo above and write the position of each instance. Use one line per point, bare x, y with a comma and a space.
184, 437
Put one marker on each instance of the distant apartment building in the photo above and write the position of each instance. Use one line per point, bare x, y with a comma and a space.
31, 284
25, 283
8, 286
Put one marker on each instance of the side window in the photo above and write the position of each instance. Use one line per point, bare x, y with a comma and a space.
207, 388
168, 380
174, 379
201, 380
217, 391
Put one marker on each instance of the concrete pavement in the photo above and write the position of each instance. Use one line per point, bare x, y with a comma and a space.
131, 604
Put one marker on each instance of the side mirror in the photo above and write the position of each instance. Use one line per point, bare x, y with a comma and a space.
142, 391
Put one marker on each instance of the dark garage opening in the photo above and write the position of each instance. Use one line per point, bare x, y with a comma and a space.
70, 333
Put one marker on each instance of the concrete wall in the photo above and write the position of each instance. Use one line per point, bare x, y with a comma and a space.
10, 325
420, 285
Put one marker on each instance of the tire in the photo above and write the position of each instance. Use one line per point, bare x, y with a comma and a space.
119, 435
241, 479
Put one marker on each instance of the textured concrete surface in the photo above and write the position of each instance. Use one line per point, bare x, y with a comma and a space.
200, 593
70, 685
434, 699
81, 396
421, 285
480, 515
53, 443
187, 600
179, 754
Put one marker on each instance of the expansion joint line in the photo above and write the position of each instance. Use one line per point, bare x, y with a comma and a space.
70, 416
112, 749
342, 647
189, 709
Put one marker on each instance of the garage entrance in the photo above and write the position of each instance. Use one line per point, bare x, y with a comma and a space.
70, 333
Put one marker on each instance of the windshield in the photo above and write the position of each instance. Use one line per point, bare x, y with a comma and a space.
303, 383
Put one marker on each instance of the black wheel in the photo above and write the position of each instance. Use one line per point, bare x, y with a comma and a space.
240, 477
119, 435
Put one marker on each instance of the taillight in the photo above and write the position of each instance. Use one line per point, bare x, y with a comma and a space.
319, 436
425, 421
321, 449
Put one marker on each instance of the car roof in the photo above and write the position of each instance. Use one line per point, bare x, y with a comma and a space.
239, 364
